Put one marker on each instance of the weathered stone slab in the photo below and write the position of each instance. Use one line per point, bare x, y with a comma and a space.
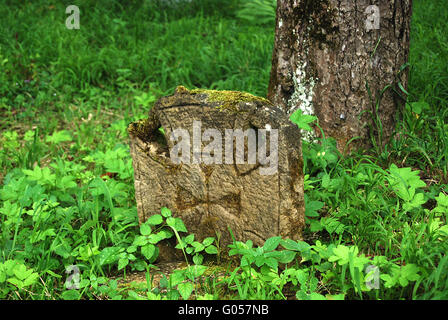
256, 199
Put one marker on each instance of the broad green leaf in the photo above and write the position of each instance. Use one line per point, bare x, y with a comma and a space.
31, 279
317, 296
418, 107
185, 289
165, 212
416, 202
442, 200
302, 120
155, 219
340, 255
198, 259
211, 249
409, 273
177, 224
71, 295
271, 262
301, 295
316, 226
195, 271
145, 229
180, 225
189, 239
122, 262
9, 267
21, 272
389, 281
59, 136
163, 282
154, 238
271, 243
312, 208
326, 181
259, 261
18, 283
404, 181
165, 233
198, 247
140, 240
208, 241
108, 255
289, 244
148, 251
171, 222
335, 297
2, 274
206, 296
177, 277
300, 246
286, 256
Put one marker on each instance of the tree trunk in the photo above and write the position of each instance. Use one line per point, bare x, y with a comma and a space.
330, 54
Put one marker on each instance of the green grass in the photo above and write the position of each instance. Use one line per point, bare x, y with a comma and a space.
67, 194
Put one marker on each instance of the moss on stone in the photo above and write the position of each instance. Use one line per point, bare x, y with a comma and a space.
229, 99
182, 89
140, 128
145, 128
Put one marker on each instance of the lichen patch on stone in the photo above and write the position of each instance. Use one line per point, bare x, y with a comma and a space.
229, 99
140, 128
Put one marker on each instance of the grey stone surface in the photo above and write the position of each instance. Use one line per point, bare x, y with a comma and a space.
210, 198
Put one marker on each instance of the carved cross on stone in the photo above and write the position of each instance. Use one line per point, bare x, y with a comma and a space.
225, 159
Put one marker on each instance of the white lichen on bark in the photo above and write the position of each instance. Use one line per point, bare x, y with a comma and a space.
302, 97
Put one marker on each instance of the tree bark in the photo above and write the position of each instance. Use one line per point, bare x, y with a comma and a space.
329, 54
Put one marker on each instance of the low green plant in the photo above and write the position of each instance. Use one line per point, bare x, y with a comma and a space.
15, 279
258, 11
